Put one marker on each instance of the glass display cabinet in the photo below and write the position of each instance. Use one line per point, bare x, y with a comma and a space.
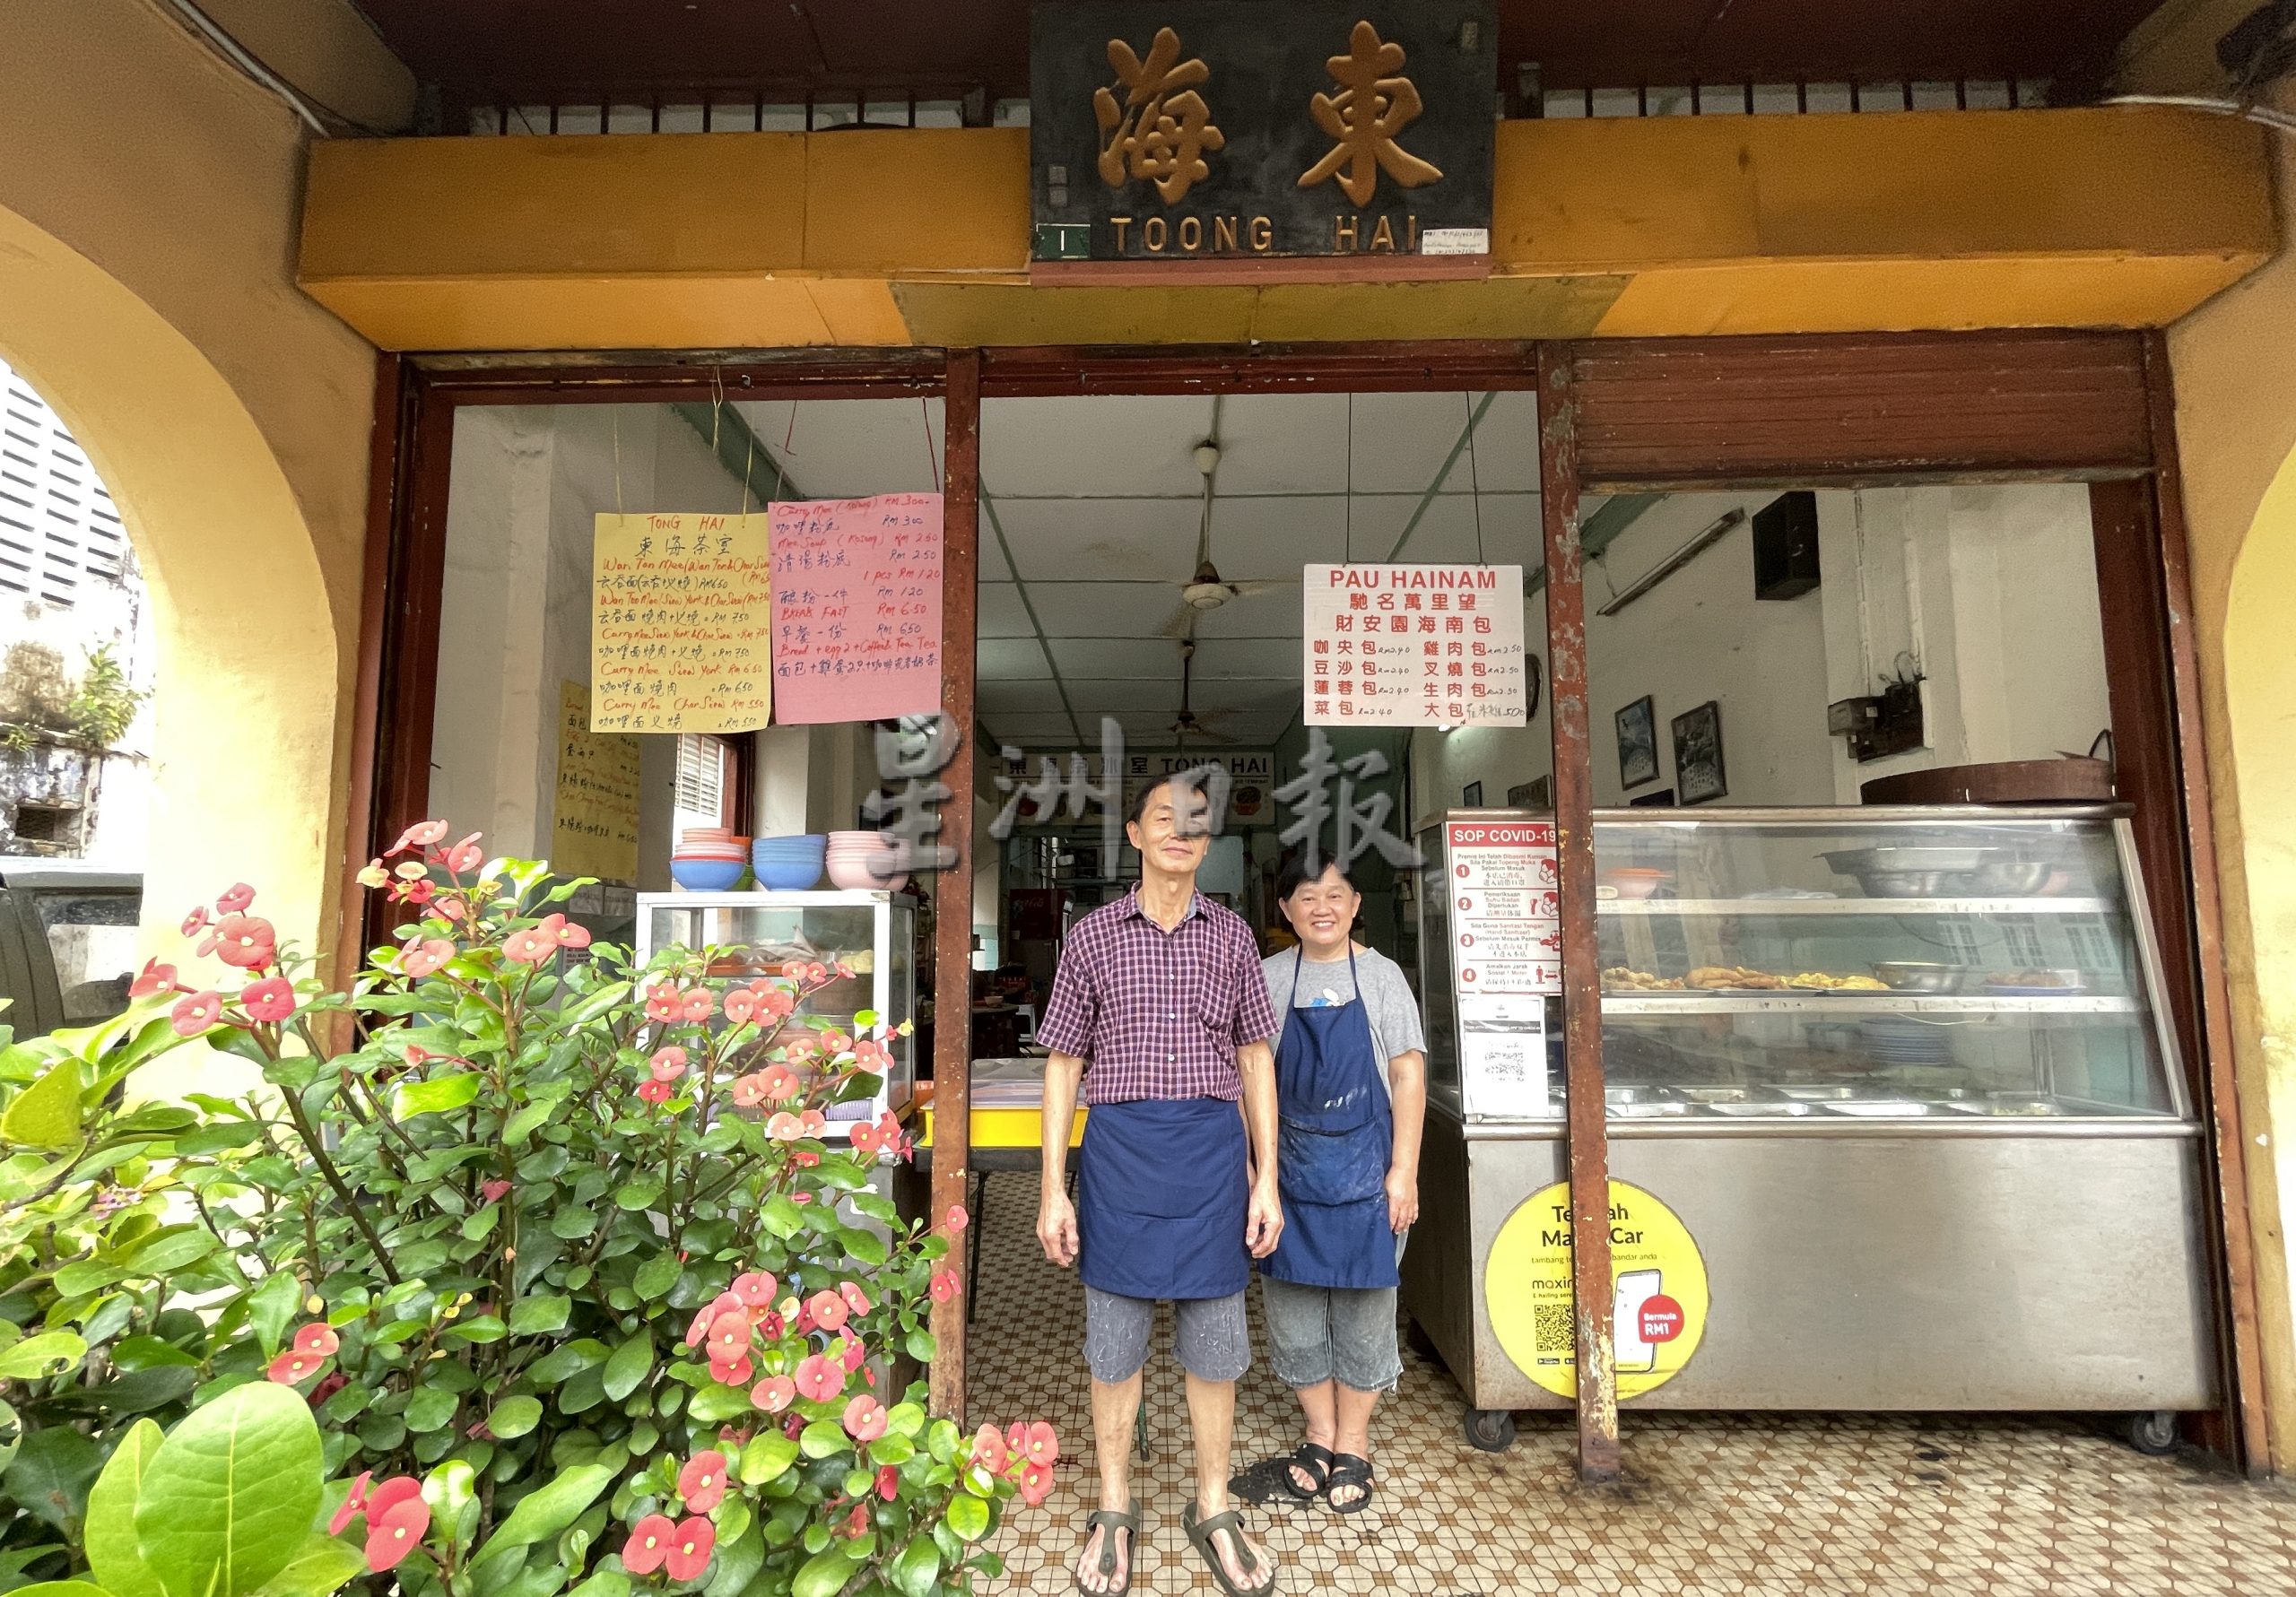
1907, 1075
872, 932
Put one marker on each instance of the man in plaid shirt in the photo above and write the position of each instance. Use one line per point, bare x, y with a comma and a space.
1159, 1010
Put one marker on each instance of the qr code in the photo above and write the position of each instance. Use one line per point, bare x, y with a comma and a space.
1551, 1328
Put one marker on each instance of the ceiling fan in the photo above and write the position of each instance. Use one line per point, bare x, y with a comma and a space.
1190, 724
1207, 589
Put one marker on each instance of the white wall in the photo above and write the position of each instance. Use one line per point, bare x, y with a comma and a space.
1989, 591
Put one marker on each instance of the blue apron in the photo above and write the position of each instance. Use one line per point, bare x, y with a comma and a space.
1161, 1198
1335, 1136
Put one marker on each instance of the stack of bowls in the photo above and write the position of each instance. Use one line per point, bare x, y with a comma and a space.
855, 859
709, 859
788, 865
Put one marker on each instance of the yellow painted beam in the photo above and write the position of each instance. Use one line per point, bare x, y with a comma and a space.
2121, 217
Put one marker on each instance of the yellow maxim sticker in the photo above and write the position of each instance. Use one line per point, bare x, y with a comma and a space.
1658, 1301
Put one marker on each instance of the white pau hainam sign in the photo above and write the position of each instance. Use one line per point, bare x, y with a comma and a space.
1413, 646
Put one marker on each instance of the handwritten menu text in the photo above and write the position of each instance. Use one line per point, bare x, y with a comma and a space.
681, 626
595, 830
857, 608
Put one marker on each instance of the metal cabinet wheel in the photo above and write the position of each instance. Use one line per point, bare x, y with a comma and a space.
1490, 1429
2154, 1432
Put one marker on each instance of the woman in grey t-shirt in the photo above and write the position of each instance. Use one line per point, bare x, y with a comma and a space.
1351, 1092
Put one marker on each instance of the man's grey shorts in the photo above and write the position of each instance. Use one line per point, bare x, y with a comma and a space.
1213, 1341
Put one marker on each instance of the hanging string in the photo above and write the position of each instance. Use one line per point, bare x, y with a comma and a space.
789, 443
1475, 481
931, 458
617, 462
1348, 550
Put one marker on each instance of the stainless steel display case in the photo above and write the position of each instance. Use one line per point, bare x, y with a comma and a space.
1955, 1169
874, 933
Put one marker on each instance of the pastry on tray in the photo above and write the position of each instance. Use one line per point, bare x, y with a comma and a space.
1713, 978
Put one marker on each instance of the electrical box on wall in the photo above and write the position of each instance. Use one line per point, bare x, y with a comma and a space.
1786, 546
1881, 724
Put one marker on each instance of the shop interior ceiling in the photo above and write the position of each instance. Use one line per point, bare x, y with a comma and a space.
564, 51
1092, 510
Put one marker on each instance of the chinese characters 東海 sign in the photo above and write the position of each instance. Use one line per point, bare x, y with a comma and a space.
680, 618
593, 827
857, 608
1413, 646
1204, 131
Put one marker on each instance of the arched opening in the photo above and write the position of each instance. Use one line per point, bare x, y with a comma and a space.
246, 732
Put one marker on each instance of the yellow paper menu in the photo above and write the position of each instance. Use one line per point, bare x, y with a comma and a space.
681, 623
595, 830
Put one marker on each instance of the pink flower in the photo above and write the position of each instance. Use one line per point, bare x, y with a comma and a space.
703, 1482
828, 1309
812, 1123
662, 1002
818, 1379
698, 1332
835, 1042
857, 1521
353, 1506
372, 874
958, 1219
292, 1368
1043, 1446
196, 922
420, 834
245, 941
155, 978
648, 1544
782, 1128
395, 1524
426, 957
943, 1286
865, 1418
756, 1288
236, 900
989, 1451
864, 1138
689, 1552
855, 1297
318, 1340
531, 946
452, 909
737, 1371
417, 892
781, 1083
571, 935
774, 1393
740, 1006
888, 1482
198, 1013
1036, 1484
805, 1159
775, 1002
466, 855
493, 1191
850, 1351
667, 1064
655, 1092
696, 1005
729, 1333
270, 999
748, 1091
801, 1198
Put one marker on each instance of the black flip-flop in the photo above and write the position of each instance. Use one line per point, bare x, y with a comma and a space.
1200, 1535
1109, 1522
1260, 1484
1349, 1469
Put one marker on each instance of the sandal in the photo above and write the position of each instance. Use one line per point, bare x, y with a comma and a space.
1259, 1485
1349, 1469
1200, 1535
1109, 1522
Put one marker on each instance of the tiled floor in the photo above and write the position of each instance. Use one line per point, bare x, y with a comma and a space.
1753, 1505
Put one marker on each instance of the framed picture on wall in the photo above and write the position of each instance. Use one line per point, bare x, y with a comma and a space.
1699, 773
1638, 744
1471, 796
1532, 795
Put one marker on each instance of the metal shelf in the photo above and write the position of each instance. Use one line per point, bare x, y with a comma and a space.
1860, 1004
1664, 908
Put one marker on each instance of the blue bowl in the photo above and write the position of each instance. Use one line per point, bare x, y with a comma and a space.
706, 876
788, 876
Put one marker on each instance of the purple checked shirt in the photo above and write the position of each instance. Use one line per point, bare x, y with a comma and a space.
1158, 1015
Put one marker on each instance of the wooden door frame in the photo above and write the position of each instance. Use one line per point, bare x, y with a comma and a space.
1680, 413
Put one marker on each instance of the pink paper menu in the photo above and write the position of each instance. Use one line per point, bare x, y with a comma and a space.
857, 608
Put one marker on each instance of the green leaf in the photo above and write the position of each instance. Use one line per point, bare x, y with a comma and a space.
822, 1438
825, 1575
515, 1417
89, 1275
629, 1366
766, 1457
718, 1403
534, 1316
50, 1353
638, 1190
865, 1245
430, 1407
920, 1345
64, 1588
916, 1567
561, 1362
437, 1094
479, 1224
230, 1496
658, 1274
521, 1125
479, 1328
570, 1225
147, 1352
54, 1468
319, 1567
452, 1493
272, 1306
547, 1510
163, 1253
967, 1516
46, 1113
784, 1218
112, 1555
